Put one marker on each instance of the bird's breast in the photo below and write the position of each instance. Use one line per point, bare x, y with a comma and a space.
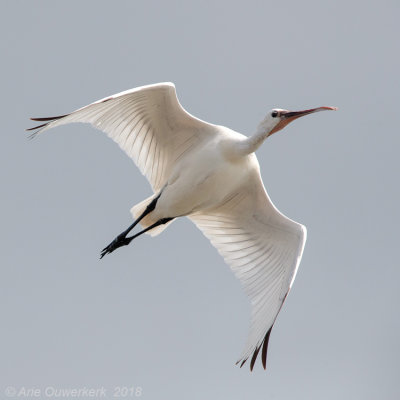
203, 181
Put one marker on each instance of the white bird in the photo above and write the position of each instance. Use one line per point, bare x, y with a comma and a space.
210, 174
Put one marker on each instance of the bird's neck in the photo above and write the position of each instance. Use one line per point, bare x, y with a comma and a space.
252, 143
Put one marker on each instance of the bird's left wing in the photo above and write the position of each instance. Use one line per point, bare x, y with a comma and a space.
263, 248
148, 123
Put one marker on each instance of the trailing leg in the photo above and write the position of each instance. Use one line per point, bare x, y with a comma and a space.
124, 241
121, 239
151, 206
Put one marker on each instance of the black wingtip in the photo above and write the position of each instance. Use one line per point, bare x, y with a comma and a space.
254, 358
36, 127
265, 349
243, 361
46, 120
49, 118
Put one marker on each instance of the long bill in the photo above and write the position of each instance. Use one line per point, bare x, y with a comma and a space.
288, 116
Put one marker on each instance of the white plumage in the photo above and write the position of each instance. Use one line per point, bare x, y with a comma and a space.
210, 174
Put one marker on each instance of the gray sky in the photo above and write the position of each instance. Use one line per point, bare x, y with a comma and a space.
167, 314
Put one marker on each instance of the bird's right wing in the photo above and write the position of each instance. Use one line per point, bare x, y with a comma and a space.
263, 248
148, 123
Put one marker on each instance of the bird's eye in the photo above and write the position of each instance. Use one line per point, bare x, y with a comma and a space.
274, 114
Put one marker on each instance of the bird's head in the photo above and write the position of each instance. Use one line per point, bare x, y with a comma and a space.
277, 118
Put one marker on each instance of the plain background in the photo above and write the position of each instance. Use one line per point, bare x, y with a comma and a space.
166, 314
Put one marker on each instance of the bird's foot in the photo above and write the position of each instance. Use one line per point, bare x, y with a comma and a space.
120, 240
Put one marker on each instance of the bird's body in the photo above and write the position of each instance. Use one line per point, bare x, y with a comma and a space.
203, 179
210, 174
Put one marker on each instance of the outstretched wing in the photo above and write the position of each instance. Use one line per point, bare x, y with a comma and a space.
263, 248
148, 123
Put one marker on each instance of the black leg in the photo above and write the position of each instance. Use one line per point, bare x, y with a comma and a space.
124, 241
148, 210
121, 239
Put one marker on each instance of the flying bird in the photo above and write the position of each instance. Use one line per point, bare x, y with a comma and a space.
210, 174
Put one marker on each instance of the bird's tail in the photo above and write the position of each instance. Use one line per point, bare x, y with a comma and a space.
138, 210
